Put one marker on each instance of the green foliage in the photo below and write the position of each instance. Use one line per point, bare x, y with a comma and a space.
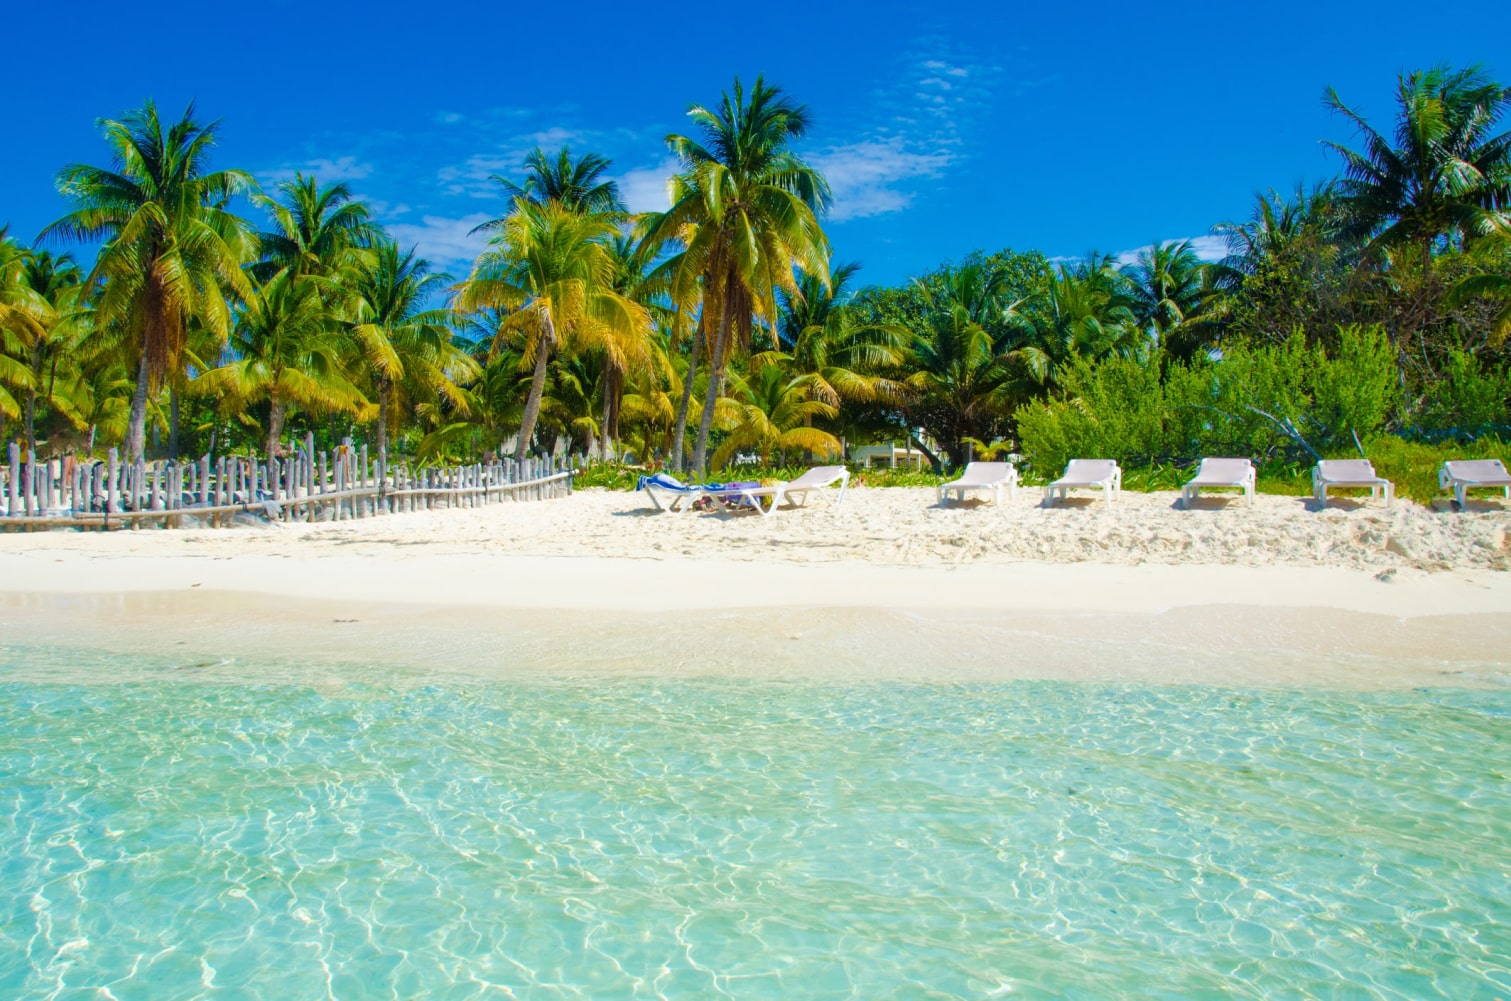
614, 476
885, 476
1354, 388
1264, 402
609, 475
1467, 401
576, 330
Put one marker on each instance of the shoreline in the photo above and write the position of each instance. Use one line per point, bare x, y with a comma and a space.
591, 584
1155, 625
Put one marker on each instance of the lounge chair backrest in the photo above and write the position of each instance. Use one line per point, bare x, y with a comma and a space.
1476, 469
817, 476
1346, 469
1225, 469
1090, 470
986, 472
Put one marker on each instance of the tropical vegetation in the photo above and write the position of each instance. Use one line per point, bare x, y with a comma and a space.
177, 308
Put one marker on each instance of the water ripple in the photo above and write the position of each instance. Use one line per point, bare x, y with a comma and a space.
380, 836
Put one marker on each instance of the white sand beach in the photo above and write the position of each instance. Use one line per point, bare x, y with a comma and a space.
1221, 592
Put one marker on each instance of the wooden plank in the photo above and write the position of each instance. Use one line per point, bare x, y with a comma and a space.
113, 482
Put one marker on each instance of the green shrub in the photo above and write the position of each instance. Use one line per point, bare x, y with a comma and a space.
1357, 388
1269, 403
1466, 401
885, 476
610, 475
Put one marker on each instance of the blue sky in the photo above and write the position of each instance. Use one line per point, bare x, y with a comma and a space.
942, 127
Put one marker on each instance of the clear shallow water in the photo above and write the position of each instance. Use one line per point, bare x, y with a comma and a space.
179, 835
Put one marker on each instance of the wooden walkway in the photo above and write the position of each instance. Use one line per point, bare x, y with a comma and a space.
64, 493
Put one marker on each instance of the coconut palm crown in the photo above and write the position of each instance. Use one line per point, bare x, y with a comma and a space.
551, 271
173, 252
1442, 174
745, 208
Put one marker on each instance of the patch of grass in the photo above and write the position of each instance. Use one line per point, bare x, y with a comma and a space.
610, 475
1413, 465
885, 476
613, 476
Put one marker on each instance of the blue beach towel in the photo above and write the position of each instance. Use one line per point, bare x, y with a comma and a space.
664, 481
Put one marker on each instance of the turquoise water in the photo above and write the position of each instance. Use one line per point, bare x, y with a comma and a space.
371, 834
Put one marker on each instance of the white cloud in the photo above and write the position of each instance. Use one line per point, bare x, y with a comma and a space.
644, 190
506, 159
554, 137
386, 210
447, 117
326, 170
922, 119
472, 177
444, 241
1207, 248
864, 176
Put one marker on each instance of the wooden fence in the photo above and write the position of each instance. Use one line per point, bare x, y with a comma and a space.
337, 486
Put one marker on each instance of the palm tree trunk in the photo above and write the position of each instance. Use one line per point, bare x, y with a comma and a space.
136, 429
715, 376
608, 409
275, 425
679, 438
173, 423
537, 389
616, 396
382, 424
31, 419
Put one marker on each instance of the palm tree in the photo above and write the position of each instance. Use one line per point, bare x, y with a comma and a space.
579, 184
57, 283
1442, 174
1173, 294
746, 210
21, 313
771, 410
284, 350
648, 406
315, 229
172, 250
1276, 228
1492, 283
408, 349
551, 268
639, 281
1287, 267
1085, 311
827, 340
962, 381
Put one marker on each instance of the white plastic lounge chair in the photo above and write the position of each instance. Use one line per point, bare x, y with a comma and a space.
1221, 473
668, 493
816, 478
1089, 474
1348, 473
993, 476
1463, 475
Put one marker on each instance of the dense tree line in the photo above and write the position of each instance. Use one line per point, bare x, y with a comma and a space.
218, 314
